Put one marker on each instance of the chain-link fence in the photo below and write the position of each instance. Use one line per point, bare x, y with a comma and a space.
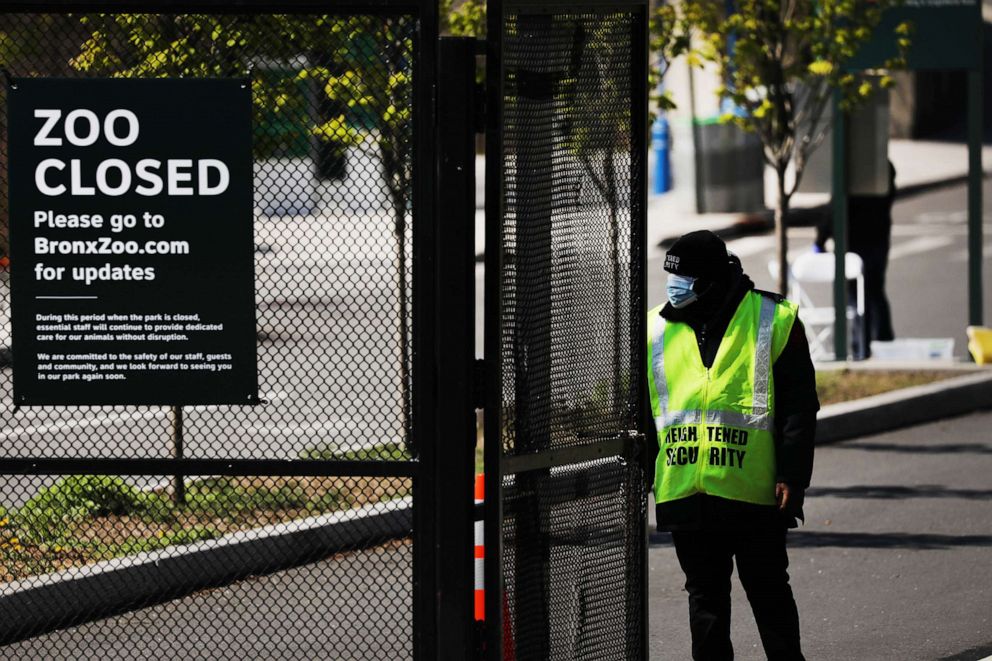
182, 565
571, 98
311, 524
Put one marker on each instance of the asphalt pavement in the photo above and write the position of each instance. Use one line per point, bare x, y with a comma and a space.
351, 607
895, 559
894, 563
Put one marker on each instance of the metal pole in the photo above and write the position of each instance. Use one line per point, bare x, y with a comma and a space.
456, 349
638, 590
697, 156
838, 186
975, 102
422, 426
179, 485
492, 342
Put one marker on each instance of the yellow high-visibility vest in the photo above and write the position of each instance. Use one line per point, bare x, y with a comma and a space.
716, 426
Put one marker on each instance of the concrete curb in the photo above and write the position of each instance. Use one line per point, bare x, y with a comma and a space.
42, 604
905, 407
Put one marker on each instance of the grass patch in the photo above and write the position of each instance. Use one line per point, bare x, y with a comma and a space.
80, 520
844, 385
382, 452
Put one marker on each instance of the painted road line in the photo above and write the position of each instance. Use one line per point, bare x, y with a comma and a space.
908, 229
61, 427
751, 245
918, 245
102, 420
962, 255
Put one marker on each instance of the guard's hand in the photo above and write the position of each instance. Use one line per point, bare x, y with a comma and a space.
782, 494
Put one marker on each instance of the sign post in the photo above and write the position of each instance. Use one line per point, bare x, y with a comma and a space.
132, 242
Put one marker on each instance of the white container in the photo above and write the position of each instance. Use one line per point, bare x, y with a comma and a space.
910, 349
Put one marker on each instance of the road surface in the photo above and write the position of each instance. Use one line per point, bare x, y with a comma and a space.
894, 563
353, 607
927, 280
895, 559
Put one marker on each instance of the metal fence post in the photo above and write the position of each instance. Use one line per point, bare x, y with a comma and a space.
178, 452
493, 378
839, 210
455, 318
424, 402
975, 117
638, 601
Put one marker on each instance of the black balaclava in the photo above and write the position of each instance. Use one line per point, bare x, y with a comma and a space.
703, 255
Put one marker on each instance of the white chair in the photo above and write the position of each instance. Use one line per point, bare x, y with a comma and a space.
818, 268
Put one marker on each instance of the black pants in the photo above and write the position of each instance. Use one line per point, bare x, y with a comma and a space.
878, 316
707, 559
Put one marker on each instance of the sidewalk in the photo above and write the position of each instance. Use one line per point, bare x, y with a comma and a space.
920, 165
890, 562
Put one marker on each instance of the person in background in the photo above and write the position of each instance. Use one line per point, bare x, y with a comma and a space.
733, 408
869, 234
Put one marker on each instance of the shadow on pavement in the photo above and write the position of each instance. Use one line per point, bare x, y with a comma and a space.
895, 492
952, 448
974, 654
885, 540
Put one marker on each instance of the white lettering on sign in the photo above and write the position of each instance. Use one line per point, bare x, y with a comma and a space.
115, 177
51, 118
110, 127
72, 129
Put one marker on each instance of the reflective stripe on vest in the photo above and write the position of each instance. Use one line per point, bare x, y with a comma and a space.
762, 365
715, 428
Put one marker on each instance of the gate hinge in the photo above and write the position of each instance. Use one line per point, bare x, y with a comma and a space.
478, 384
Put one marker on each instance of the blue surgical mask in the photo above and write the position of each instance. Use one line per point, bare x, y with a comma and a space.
680, 293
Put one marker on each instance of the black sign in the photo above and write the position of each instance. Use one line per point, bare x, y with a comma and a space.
132, 274
946, 34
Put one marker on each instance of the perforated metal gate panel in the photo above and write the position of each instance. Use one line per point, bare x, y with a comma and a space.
338, 129
564, 331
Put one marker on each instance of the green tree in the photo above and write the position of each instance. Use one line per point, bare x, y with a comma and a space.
28, 57
467, 19
361, 63
781, 62
671, 28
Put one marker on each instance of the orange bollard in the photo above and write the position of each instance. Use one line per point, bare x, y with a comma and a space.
480, 553
509, 648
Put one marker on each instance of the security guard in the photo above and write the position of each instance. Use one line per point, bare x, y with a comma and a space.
733, 403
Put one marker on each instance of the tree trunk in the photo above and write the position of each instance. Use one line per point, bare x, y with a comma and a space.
781, 237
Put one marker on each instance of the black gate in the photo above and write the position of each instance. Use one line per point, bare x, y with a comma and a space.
565, 523
333, 519
156, 532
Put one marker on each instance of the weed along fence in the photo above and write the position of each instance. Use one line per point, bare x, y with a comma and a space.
236, 339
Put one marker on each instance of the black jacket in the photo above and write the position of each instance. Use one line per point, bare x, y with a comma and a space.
796, 405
